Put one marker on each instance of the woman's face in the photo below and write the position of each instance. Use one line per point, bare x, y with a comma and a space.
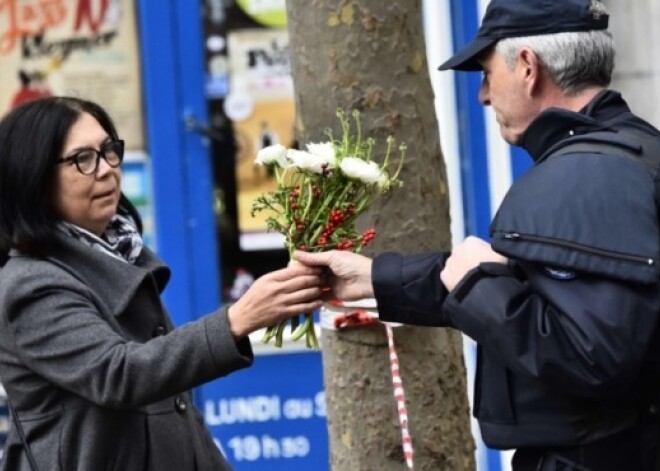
88, 201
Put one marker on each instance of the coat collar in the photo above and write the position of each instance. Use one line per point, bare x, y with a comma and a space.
555, 124
112, 280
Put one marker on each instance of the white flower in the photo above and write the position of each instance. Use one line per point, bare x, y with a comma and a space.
325, 150
272, 155
358, 169
306, 161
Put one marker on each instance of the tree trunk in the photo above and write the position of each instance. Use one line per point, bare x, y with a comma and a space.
370, 55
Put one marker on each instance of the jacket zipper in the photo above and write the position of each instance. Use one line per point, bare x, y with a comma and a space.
516, 236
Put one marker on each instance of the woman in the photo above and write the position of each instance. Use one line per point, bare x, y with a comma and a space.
95, 372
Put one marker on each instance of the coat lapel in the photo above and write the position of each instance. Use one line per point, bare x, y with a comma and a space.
94, 269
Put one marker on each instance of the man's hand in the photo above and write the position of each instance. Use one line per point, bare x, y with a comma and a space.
350, 276
466, 256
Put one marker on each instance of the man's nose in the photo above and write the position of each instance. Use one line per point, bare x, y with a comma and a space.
484, 94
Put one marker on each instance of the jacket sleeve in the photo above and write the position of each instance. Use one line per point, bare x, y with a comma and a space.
59, 334
586, 335
408, 288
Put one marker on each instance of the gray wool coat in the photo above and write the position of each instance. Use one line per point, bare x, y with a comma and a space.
95, 371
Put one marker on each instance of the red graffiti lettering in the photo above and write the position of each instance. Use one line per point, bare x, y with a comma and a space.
84, 13
27, 19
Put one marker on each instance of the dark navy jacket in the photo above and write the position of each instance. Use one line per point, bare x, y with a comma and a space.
568, 329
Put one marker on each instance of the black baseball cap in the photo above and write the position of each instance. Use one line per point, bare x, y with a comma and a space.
516, 18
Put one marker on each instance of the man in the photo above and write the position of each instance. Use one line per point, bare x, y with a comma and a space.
564, 301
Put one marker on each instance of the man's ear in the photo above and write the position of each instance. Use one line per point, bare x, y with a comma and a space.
529, 70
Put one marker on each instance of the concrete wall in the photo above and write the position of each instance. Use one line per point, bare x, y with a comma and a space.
635, 27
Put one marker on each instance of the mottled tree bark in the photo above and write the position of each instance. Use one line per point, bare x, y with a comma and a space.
370, 55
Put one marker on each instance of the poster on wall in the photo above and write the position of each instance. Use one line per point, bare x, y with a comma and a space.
271, 13
261, 105
84, 48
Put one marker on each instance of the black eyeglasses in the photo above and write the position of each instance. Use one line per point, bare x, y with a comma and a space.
87, 160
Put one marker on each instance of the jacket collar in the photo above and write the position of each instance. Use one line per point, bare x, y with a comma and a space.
555, 124
112, 280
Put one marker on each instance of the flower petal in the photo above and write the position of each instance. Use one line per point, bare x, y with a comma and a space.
306, 161
272, 155
325, 150
358, 169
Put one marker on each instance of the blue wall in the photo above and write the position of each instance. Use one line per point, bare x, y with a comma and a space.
172, 68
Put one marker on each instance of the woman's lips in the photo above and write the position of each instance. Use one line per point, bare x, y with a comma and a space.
106, 194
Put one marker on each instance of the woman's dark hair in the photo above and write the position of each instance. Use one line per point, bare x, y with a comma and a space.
32, 137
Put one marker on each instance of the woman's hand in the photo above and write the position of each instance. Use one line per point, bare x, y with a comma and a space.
350, 276
274, 297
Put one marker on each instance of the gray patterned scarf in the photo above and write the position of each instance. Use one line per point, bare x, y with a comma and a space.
120, 240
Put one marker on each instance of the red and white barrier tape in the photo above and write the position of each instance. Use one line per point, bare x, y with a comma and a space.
337, 316
400, 396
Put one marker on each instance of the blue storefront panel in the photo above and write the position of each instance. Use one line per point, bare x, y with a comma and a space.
271, 417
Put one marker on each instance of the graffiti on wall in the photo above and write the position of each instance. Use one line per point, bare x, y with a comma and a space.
86, 48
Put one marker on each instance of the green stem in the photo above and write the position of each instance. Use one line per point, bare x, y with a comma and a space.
358, 125
278, 177
269, 334
310, 340
402, 149
295, 321
280, 334
370, 148
390, 142
268, 205
310, 200
302, 330
365, 202
345, 132
308, 206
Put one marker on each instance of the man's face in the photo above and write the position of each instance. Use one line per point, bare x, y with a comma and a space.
505, 90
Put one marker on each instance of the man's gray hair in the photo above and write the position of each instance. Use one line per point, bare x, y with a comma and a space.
574, 60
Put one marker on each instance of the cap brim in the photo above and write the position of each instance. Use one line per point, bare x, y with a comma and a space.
466, 58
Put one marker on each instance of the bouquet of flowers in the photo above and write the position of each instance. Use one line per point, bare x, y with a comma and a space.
320, 193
